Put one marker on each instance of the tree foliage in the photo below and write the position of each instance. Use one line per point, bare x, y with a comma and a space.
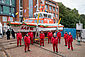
70, 16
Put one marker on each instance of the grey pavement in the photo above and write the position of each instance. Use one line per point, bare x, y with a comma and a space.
36, 51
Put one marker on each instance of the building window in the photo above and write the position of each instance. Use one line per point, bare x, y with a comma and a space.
53, 8
7, 2
57, 15
1, 9
21, 8
50, 7
11, 19
54, 14
10, 9
21, 12
56, 9
13, 2
21, 3
10, 2
13, 10
30, 8
0, 1
3, 1
4, 19
6, 10
46, 6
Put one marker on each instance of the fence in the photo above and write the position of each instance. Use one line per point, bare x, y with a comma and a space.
72, 30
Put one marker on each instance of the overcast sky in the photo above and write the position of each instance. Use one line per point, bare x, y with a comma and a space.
78, 4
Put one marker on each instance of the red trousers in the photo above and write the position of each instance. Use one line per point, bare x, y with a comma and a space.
66, 42
55, 46
41, 42
31, 40
18, 41
70, 45
59, 39
27, 45
49, 39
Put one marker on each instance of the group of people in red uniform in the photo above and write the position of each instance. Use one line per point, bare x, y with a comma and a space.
52, 38
27, 39
68, 40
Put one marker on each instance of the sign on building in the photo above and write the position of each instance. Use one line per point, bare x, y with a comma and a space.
79, 26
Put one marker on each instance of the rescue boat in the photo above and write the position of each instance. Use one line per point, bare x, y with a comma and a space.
42, 21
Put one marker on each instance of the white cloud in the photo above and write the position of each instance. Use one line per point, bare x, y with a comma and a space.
78, 4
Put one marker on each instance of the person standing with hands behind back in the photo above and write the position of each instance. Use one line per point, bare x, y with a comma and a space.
55, 43
13, 34
19, 37
70, 40
8, 34
50, 35
66, 38
59, 36
27, 41
31, 36
42, 35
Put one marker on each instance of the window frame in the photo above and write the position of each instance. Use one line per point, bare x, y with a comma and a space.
46, 6
53, 8
10, 2
50, 8
56, 9
56, 15
1, 8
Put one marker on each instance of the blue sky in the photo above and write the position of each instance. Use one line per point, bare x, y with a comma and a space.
78, 4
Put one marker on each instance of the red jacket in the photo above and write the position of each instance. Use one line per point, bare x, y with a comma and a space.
30, 34
65, 36
27, 39
55, 41
50, 34
52, 39
42, 35
59, 34
19, 35
70, 38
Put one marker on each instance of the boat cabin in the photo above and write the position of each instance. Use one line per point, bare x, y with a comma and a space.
44, 17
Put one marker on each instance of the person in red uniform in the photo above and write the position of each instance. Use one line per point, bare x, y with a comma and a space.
70, 40
59, 36
31, 36
52, 39
27, 42
55, 43
42, 35
66, 38
50, 35
19, 37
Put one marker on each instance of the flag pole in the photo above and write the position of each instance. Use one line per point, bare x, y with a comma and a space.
58, 23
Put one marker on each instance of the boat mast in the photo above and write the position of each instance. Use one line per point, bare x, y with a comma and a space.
37, 28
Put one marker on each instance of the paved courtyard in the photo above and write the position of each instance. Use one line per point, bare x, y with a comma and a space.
8, 48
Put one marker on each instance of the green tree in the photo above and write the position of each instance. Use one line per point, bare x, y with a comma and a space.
69, 16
